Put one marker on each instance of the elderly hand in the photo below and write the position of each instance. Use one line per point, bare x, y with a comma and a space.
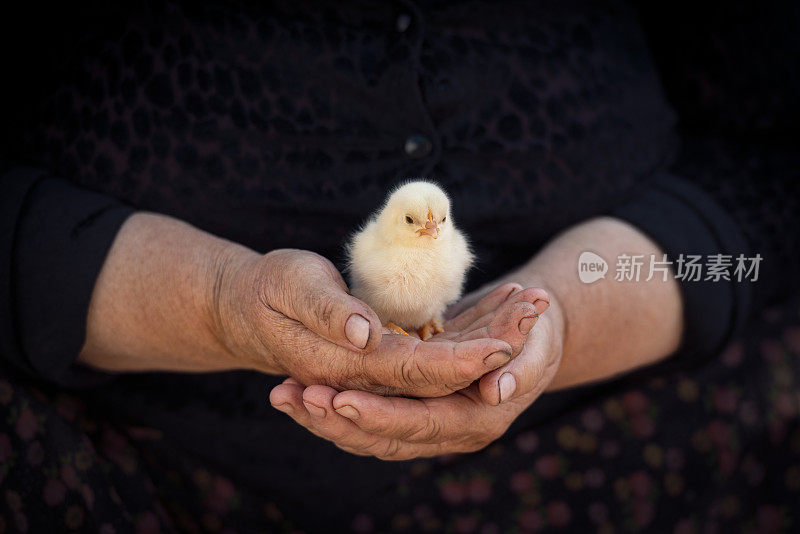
290, 310
397, 428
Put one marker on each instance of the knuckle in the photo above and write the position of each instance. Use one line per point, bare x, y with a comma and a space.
281, 264
513, 286
526, 309
434, 430
468, 370
390, 450
431, 432
406, 374
288, 270
315, 262
374, 447
450, 388
275, 261
316, 267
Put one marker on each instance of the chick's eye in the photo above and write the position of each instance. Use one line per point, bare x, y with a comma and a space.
409, 220
444, 219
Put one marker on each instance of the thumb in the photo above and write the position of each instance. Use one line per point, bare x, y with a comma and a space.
315, 294
526, 375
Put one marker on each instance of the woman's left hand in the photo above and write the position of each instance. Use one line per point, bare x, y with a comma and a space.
399, 428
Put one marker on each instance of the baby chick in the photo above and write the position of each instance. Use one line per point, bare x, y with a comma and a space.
409, 261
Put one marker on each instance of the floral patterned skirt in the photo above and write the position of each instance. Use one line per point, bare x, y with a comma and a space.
715, 449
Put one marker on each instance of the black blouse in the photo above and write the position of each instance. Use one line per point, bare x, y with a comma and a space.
243, 118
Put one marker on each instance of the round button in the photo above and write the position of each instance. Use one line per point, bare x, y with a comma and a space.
403, 22
417, 146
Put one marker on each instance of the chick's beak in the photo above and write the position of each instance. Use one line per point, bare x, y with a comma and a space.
431, 228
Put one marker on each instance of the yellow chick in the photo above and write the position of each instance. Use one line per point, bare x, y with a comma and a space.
409, 261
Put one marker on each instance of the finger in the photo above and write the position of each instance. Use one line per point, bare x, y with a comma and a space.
403, 365
527, 375
318, 399
312, 291
488, 303
512, 321
323, 416
288, 398
344, 433
536, 296
467, 301
511, 324
320, 418
430, 421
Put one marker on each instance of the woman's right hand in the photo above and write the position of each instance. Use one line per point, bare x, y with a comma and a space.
289, 312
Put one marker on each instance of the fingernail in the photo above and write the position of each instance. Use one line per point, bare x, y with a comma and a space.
313, 409
507, 385
285, 407
541, 305
526, 323
348, 411
496, 359
357, 330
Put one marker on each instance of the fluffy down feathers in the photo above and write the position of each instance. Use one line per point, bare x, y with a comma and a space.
409, 261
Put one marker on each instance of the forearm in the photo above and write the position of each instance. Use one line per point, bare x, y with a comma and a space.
152, 306
609, 326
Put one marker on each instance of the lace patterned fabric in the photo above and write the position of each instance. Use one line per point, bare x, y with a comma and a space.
284, 126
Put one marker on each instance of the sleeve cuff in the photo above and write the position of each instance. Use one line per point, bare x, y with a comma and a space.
683, 219
61, 237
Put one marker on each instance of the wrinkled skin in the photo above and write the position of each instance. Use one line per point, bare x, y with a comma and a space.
399, 428
289, 308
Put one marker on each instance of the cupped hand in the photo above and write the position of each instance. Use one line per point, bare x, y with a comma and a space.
290, 311
398, 428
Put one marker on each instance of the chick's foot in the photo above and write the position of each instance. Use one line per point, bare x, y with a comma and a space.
396, 329
431, 328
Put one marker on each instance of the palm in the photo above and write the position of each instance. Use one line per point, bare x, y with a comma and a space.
496, 326
400, 428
